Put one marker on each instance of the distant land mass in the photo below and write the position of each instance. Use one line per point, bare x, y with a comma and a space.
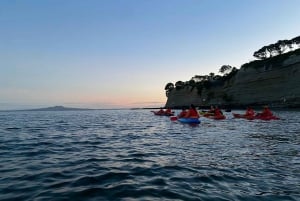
58, 108
62, 108
54, 108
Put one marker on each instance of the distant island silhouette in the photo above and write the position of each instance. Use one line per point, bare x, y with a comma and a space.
57, 108
54, 108
62, 108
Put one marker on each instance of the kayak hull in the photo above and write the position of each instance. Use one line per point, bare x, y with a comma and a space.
163, 114
189, 120
220, 117
212, 116
267, 118
242, 116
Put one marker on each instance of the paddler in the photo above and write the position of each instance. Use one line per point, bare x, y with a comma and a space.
218, 112
161, 111
266, 112
183, 113
192, 112
249, 112
168, 111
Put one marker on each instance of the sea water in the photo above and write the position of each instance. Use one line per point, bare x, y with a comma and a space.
135, 155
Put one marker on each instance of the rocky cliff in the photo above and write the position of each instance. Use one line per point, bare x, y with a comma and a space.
273, 81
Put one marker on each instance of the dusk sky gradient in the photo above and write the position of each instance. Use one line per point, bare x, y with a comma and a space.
122, 53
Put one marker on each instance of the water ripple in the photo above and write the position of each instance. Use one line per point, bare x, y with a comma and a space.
134, 155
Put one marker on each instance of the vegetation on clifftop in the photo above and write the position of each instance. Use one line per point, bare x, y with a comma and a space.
278, 48
275, 61
204, 81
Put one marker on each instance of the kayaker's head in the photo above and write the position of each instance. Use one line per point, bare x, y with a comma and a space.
193, 106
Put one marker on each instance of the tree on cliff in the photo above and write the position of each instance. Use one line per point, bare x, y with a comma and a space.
211, 76
228, 72
261, 53
225, 69
192, 83
169, 87
179, 84
267, 51
282, 45
296, 41
200, 78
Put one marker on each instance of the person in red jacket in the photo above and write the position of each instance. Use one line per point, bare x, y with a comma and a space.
249, 112
266, 112
182, 113
192, 112
218, 112
161, 111
168, 111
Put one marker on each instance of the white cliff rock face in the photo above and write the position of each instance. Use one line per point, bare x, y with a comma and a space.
183, 97
254, 85
267, 85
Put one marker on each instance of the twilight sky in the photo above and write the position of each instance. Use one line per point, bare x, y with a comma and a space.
122, 53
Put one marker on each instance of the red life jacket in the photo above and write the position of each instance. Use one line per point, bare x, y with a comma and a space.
193, 114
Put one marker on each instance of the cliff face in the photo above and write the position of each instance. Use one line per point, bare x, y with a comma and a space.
183, 97
270, 82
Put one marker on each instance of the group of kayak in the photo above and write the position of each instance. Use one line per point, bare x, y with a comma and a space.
185, 116
250, 114
192, 115
161, 112
214, 113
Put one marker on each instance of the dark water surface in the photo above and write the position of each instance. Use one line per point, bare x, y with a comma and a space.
134, 155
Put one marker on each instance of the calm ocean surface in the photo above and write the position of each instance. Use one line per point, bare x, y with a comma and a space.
134, 155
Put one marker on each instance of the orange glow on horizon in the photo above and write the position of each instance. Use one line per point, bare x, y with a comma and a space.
117, 101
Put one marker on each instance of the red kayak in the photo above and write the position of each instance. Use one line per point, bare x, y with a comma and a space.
267, 118
218, 117
215, 117
242, 116
208, 114
163, 113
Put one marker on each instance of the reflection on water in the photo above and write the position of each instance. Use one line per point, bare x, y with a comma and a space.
134, 155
